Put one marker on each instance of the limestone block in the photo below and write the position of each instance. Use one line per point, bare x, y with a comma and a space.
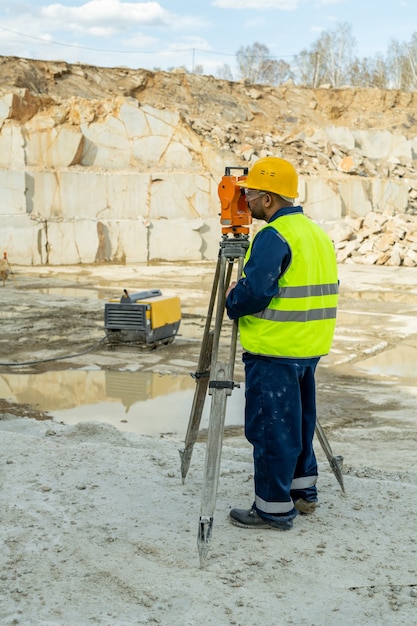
21, 238
215, 162
185, 136
158, 138
5, 106
21, 106
44, 200
90, 194
395, 257
106, 144
59, 146
147, 151
368, 259
346, 251
175, 240
341, 231
366, 247
338, 135
175, 154
161, 122
12, 152
410, 258
322, 200
90, 241
71, 241
122, 241
373, 223
389, 195
355, 195
397, 228
183, 195
383, 243
382, 144
67, 148
13, 187
134, 120
301, 190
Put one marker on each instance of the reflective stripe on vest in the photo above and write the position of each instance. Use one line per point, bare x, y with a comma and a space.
297, 316
299, 322
309, 290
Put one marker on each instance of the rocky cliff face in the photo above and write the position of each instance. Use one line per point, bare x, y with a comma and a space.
118, 163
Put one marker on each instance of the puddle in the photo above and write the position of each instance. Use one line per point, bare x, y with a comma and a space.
399, 362
145, 403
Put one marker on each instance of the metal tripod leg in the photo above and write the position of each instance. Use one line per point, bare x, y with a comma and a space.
334, 461
201, 377
221, 386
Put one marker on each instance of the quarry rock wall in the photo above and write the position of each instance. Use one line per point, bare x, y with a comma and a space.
111, 180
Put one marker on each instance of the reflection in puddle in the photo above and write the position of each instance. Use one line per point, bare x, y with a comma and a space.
399, 362
145, 403
70, 292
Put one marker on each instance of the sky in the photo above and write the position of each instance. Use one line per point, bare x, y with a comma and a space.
173, 33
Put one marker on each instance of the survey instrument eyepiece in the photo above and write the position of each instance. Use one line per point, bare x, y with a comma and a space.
235, 216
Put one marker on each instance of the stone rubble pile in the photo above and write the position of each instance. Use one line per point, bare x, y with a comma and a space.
377, 154
376, 239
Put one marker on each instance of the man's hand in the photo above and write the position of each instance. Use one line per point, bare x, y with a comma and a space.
231, 286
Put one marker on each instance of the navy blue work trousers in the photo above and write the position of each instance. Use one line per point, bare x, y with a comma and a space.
280, 419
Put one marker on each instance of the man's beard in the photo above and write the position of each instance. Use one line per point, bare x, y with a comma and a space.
258, 214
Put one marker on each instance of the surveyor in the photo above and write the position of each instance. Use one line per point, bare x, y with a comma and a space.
285, 303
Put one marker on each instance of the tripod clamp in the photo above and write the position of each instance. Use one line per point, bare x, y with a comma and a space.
234, 248
223, 384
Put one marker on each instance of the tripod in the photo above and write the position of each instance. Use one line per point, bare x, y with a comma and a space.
217, 377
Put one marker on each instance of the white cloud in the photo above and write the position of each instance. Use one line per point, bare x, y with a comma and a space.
316, 29
140, 42
99, 13
284, 5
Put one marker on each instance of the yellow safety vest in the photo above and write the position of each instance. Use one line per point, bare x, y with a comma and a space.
300, 321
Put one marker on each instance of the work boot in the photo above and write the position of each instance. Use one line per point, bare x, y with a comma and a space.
249, 518
304, 507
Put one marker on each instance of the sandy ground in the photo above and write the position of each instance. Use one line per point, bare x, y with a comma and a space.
97, 526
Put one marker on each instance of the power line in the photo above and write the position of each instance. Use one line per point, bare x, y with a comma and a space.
177, 51
72, 45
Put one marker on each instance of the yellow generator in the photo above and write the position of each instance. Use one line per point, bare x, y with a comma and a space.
146, 317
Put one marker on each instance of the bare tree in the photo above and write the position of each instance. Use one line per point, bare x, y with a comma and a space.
329, 59
412, 60
225, 72
370, 72
256, 65
396, 64
310, 69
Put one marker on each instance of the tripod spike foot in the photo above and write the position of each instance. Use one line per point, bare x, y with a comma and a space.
185, 456
205, 529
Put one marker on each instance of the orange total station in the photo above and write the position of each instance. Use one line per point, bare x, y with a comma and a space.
235, 216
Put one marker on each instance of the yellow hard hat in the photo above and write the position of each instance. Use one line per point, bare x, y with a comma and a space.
274, 175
